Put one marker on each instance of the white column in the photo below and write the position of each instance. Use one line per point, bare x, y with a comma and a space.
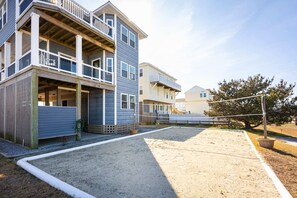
78, 55
103, 113
115, 71
7, 53
1, 65
17, 9
34, 39
18, 49
103, 65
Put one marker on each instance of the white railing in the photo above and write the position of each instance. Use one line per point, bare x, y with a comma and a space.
170, 83
63, 64
82, 14
96, 73
57, 62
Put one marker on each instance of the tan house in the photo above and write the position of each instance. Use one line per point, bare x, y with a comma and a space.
195, 101
157, 90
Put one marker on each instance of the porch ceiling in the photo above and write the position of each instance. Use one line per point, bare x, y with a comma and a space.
62, 36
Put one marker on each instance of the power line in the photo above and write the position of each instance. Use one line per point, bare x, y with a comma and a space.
242, 98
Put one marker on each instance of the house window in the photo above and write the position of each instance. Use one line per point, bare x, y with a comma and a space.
201, 95
124, 101
166, 94
204, 95
97, 63
124, 33
124, 70
140, 72
109, 66
171, 96
132, 40
3, 15
132, 72
132, 102
110, 23
140, 90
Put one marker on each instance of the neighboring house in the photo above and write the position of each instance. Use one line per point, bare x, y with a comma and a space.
196, 100
157, 90
61, 63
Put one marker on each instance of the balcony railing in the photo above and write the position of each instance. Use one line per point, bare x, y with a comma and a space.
63, 64
166, 82
77, 11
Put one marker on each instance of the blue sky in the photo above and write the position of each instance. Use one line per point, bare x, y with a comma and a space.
202, 42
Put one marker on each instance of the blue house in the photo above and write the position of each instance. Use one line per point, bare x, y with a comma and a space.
61, 64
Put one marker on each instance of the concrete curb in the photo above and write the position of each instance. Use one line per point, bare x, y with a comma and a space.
59, 184
278, 184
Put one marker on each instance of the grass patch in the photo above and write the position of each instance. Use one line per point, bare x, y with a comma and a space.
282, 159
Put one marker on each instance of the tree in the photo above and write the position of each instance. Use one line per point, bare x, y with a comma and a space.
280, 100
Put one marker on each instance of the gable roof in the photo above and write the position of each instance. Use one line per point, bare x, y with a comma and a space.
194, 89
108, 7
145, 64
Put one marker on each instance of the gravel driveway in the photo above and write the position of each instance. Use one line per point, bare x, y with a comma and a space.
176, 162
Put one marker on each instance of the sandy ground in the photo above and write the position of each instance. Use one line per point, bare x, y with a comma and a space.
175, 162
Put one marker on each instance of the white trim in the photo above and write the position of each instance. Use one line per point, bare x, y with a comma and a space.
6, 12
100, 65
130, 101
134, 40
115, 71
111, 22
121, 99
122, 70
122, 26
109, 58
130, 66
103, 109
277, 183
18, 49
7, 55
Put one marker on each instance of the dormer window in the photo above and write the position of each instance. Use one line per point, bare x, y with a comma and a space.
124, 34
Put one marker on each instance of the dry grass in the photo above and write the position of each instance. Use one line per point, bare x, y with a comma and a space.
16, 182
287, 129
282, 159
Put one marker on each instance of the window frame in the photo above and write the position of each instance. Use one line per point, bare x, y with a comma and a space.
107, 20
122, 62
127, 95
122, 34
130, 101
141, 72
4, 10
130, 66
96, 59
130, 39
107, 66
140, 90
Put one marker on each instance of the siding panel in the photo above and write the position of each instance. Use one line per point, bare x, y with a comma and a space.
23, 116
2, 91
96, 107
128, 55
10, 112
9, 27
56, 121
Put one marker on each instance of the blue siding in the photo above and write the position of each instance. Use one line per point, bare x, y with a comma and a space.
9, 28
109, 107
95, 106
56, 121
128, 55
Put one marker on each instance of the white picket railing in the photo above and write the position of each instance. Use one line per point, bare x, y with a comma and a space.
67, 65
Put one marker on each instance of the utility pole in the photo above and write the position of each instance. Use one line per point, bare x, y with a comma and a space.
263, 104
